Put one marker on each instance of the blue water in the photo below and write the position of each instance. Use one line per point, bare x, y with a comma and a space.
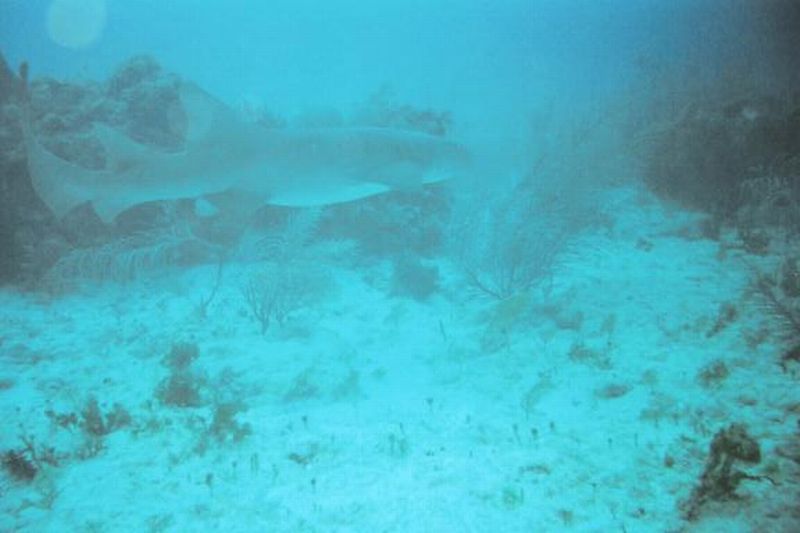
402, 265
503, 57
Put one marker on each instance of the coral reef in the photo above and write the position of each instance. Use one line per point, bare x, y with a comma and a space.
97, 424
707, 156
382, 110
146, 104
391, 224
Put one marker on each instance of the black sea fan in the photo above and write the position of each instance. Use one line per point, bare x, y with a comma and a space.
786, 317
18, 466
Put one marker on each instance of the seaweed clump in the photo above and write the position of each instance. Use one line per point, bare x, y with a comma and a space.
184, 386
720, 479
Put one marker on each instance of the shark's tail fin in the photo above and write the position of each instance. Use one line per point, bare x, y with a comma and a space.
59, 183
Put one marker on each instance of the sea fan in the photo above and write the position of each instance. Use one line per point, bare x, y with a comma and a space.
784, 314
508, 244
779, 309
126, 258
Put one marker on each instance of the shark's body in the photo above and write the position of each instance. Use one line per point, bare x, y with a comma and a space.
291, 167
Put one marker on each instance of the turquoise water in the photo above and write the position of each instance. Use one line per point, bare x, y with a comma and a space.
432, 266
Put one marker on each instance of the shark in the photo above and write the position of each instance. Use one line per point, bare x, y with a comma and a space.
225, 155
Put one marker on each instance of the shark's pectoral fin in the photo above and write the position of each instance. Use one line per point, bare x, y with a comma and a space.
398, 175
333, 191
232, 203
205, 115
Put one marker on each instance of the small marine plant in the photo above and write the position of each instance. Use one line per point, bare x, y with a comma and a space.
599, 358
201, 309
398, 445
513, 497
612, 391
302, 387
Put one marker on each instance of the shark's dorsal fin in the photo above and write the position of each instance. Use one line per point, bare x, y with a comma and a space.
205, 115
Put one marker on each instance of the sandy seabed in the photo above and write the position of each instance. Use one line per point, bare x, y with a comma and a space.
587, 404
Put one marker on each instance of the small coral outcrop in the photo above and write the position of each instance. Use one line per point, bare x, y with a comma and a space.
720, 479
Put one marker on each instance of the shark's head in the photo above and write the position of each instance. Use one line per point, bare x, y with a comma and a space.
334, 165
405, 158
